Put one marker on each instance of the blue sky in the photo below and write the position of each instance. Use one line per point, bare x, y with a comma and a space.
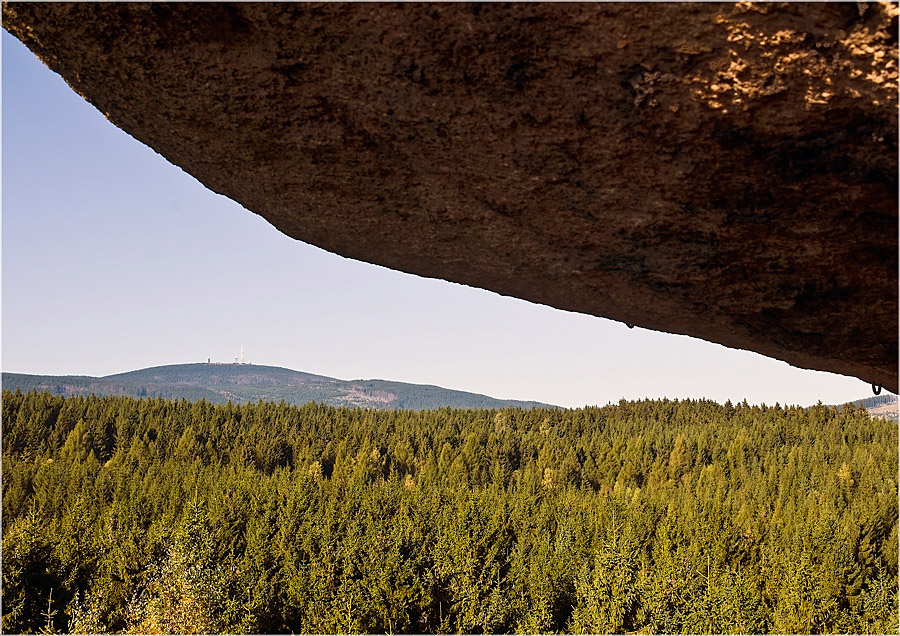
113, 260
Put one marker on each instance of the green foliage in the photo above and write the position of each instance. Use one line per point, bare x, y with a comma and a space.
607, 593
155, 516
188, 592
30, 573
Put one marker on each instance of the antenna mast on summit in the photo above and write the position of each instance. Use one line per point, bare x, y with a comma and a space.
242, 354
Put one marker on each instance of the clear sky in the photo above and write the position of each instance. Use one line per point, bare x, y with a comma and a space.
114, 260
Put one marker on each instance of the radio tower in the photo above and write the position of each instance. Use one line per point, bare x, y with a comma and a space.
242, 354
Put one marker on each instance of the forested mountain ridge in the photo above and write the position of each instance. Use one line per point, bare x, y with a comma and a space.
241, 383
874, 401
153, 516
881, 406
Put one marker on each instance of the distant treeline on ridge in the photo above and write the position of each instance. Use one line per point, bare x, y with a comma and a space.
242, 383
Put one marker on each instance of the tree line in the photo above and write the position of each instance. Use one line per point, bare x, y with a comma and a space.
157, 516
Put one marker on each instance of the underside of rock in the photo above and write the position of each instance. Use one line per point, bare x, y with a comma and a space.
726, 171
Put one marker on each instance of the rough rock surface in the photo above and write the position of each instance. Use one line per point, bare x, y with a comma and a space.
727, 171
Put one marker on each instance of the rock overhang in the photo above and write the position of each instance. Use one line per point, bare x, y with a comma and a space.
725, 171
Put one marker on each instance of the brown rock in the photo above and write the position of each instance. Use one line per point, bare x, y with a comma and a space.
726, 171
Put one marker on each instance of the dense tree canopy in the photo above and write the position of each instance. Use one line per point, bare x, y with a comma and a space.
156, 516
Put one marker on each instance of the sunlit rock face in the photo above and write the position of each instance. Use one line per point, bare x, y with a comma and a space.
719, 170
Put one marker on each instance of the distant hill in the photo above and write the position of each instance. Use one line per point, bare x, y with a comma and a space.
884, 405
239, 383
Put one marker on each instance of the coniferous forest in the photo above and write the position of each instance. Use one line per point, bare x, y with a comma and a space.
156, 516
